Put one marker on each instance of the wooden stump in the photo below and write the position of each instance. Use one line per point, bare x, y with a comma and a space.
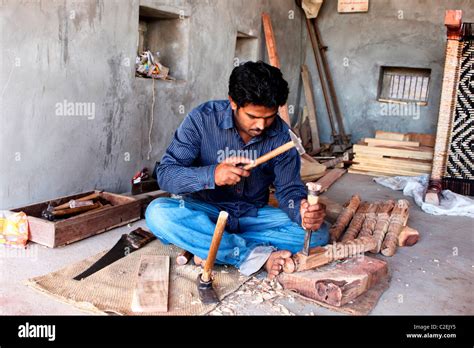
338, 283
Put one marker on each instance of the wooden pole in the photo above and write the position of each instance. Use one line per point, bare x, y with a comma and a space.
453, 22
308, 92
273, 57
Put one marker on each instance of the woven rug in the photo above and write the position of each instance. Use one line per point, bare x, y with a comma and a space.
109, 291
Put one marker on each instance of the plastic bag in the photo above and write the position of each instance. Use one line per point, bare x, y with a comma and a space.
13, 228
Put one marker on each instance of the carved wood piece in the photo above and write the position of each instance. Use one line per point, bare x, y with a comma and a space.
344, 218
398, 220
356, 224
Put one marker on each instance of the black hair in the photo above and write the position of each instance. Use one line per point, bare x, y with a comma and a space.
258, 83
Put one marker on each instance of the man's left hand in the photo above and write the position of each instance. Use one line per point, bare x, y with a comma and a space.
312, 216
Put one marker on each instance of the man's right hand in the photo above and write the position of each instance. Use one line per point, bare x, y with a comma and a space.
227, 172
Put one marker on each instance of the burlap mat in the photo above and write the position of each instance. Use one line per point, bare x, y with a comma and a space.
109, 291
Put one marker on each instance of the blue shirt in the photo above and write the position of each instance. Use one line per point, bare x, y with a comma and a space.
205, 138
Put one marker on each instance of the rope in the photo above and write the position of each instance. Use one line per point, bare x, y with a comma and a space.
150, 146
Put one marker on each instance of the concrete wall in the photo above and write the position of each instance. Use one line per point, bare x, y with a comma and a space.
402, 33
83, 51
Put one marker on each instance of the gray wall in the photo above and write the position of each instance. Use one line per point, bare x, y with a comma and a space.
84, 52
378, 37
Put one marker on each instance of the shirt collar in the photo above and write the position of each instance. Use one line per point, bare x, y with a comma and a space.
227, 122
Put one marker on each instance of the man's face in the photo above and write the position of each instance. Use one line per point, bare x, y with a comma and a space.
253, 119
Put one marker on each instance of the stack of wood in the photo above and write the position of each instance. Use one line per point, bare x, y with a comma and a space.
391, 154
383, 223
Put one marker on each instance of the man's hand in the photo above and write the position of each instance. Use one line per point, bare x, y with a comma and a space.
227, 172
312, 216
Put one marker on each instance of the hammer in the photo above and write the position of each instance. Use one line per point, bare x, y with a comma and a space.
204, 281
313, 198
295, 142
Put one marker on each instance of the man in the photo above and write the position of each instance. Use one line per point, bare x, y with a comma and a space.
203, 163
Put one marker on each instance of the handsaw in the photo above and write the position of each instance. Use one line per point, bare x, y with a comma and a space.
127, 244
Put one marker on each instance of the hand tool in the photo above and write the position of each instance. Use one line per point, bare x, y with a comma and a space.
294, 143
127, 244
204, 281
313, 198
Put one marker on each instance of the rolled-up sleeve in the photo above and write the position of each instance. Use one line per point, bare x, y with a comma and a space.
176, 173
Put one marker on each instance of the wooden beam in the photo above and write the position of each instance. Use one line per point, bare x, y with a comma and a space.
151, 286
273, 57
385, 142
308, 92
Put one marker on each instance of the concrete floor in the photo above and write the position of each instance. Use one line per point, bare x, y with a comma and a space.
434, 277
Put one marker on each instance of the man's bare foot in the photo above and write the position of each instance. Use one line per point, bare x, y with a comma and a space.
198, 261
274, 264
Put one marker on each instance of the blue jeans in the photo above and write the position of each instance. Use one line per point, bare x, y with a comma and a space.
189, 224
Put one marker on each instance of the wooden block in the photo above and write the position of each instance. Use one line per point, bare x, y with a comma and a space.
390, 136
422, 153
338, 283
408, 237
385, 142
151, 287
330, 178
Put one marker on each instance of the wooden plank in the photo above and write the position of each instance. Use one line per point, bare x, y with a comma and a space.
338, 283
394, 171
308, 92
390, 135
363, 172
393, 152
330, 178
273, 57
386, 142
390, 162
423, 139
151, 286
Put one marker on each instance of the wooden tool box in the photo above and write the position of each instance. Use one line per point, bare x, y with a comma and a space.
53, 234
